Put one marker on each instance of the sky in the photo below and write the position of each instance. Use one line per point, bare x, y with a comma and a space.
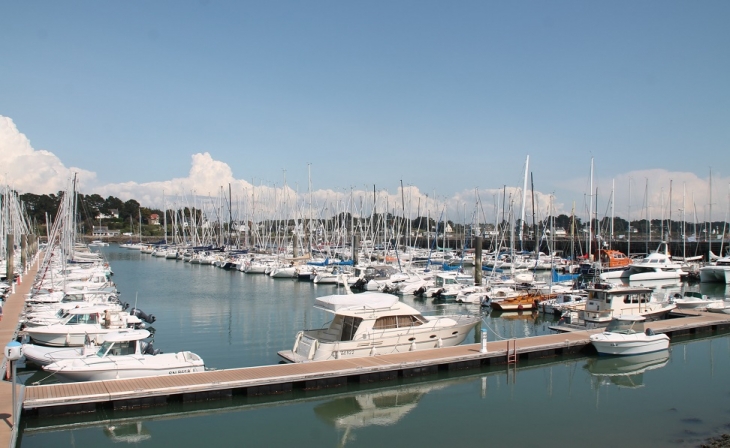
168, 99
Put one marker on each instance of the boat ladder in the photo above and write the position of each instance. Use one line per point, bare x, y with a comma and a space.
512, 351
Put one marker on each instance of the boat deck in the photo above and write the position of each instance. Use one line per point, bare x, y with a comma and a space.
281, 378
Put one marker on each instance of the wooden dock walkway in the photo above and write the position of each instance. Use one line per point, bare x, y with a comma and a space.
141, 392
8, 332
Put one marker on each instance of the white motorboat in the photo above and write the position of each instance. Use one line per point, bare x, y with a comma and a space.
722, 306
98, 243
626, 335
562, 303
718, 272
122, 356
448, 284
91, 322
375, 323
42, 355
284, 271
695, 301
323, 277
655, 266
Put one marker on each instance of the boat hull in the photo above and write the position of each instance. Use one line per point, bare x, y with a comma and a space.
714, 274
620, 345
133, 366
423, 339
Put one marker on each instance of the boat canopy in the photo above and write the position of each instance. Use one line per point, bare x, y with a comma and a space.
126, 335
367, 300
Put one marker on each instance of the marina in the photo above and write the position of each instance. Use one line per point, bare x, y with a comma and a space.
123, 394
88, 348
229, 384
347, 224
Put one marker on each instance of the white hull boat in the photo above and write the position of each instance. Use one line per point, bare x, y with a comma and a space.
626, 335
83, 324
695, 301
722, 306
122, 356
716, 273
41, 355
655, 266
371, 324
606, 302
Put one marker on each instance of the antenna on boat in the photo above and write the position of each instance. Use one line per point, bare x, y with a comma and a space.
135, 299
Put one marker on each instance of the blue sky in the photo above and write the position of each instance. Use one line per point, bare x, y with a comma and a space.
445, 96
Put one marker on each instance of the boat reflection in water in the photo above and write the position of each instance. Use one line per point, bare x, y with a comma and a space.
127, 432
625, 371
381, 408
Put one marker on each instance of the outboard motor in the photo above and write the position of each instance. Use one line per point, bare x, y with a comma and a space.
360, 284
150, 350
149, 318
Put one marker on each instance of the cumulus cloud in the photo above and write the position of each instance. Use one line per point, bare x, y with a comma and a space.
647, 193
33, 171
207, 183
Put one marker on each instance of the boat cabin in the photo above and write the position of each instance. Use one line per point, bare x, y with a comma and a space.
124, 342
612, 258
606, 302
379, 311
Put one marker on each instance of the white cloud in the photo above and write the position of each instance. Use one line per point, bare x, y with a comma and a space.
39, 171
33, 171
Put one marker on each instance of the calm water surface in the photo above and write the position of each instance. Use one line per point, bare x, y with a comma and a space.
233, 319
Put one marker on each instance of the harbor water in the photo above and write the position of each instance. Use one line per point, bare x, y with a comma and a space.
232, 319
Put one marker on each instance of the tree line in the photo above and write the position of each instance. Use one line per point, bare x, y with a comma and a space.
91, 207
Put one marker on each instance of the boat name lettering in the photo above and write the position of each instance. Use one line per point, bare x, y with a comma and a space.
347, 352
175, 372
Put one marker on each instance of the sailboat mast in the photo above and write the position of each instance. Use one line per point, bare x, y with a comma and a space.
669, 227
534, 225
590, 211
524, 199
628, 249
684, 222
613, 209
709, 228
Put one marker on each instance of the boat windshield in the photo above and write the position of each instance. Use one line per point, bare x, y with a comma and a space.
625, 326
73, 298
116, 348
78, 319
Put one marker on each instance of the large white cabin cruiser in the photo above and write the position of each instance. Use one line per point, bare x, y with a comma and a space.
122, 356
374, 323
